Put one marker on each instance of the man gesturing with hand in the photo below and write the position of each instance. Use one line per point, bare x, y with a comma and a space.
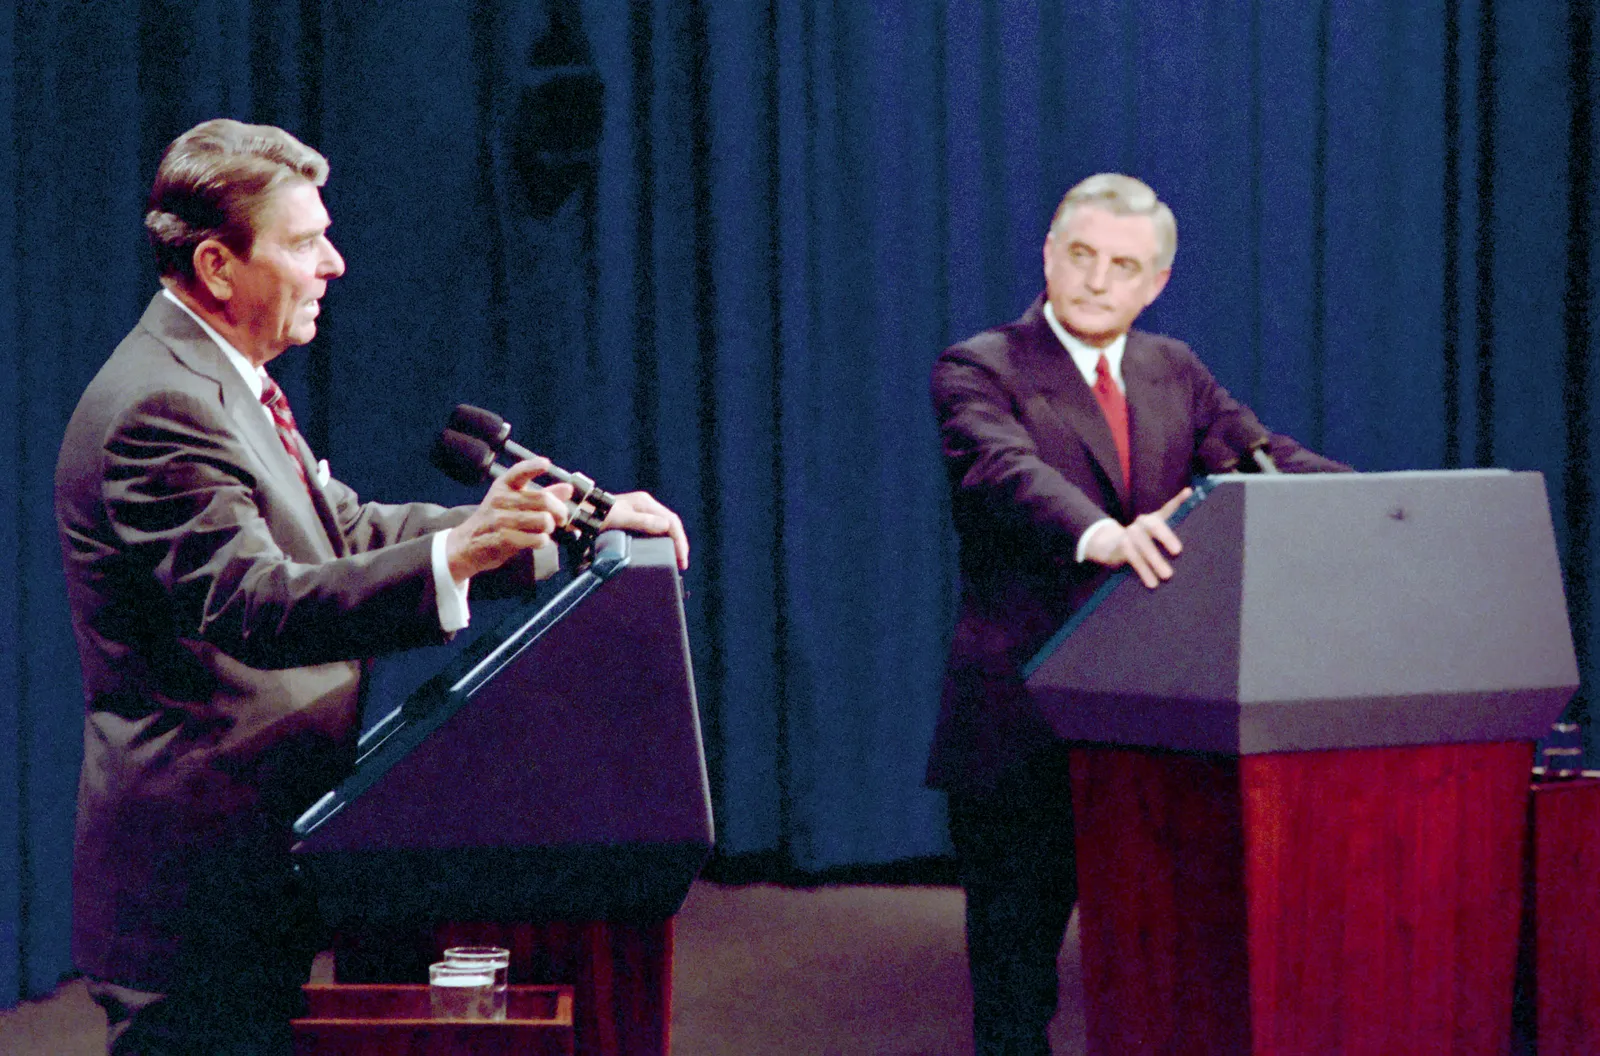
1068, 440
225, 590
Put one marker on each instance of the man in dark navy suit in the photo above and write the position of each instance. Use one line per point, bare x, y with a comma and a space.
1069, 439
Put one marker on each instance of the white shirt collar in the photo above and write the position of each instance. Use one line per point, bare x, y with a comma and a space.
1087, 357
251, 373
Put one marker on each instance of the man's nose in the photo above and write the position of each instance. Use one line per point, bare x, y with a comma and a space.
1099, 274
332, 263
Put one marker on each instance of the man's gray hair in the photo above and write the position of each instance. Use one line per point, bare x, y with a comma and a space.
214, 181
1123, 196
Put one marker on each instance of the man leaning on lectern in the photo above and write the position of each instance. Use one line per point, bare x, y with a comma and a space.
225, 589
1069, 439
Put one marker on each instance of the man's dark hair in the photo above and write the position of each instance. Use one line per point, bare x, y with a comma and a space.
213, 182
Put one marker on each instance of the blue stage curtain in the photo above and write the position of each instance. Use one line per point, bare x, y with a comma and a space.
711, 247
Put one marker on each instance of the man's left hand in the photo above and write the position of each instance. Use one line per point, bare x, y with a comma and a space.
638, 511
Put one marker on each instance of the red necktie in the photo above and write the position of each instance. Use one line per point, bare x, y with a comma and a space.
277, 405
1115, 408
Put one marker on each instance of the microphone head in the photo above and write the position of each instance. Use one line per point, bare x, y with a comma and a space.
481, 424
1215, 456
1229, 446
464, 459
1243, 435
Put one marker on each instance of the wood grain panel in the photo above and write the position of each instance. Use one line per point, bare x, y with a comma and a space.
1565, 907
1385, 887
1353, 902
1163, 911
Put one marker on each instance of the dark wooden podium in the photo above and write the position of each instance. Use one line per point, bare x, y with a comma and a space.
547, 792
1302, 778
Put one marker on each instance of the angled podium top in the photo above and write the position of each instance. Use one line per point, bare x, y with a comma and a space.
1328, 611
554, 772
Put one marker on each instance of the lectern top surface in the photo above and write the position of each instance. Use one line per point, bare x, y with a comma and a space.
1329, 610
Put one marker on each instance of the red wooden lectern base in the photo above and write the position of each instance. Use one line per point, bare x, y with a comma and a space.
1356, 901
620, 973
1559, 976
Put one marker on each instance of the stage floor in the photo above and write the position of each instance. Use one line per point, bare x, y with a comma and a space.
760, 970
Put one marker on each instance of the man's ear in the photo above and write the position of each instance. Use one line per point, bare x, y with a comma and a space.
1160, 284
213, 268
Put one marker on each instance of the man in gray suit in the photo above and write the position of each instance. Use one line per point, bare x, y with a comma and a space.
224, 592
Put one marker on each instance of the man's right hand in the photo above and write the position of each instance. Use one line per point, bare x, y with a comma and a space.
1141, 543
514, 516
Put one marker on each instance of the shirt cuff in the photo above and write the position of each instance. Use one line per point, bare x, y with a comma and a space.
1083, 540
450, 592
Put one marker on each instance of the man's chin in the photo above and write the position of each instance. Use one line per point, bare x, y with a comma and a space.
1094, 332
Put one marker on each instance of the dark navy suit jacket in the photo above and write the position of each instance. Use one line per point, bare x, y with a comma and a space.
1031, 464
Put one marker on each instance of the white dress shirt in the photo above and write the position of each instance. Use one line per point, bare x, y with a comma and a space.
1087, 359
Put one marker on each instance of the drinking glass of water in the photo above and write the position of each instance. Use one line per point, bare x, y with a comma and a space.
496, 959
461, 992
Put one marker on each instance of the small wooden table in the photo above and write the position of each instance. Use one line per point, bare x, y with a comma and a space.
619, 973
381, 1020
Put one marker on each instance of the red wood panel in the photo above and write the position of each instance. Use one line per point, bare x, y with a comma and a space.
1385, 887
1566, 916
1162, 916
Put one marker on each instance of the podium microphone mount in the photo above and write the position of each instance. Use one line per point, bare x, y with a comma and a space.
469, 460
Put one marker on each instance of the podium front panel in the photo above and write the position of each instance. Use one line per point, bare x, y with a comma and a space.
560, 775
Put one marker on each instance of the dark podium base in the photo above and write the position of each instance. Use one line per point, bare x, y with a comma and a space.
1357, 901
1558, 977
620, 973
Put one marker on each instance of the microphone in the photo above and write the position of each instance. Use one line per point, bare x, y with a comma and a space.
1246, 438
464, 459
468, 460
494, 432
1216, 456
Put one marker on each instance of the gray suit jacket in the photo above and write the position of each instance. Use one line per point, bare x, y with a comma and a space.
1032, 464
221, 614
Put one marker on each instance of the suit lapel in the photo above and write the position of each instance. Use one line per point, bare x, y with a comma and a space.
1070, 396
197, 352
1150, 423
319, 501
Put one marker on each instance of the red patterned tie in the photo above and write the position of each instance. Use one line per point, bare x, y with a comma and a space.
277, 404
1115, 408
